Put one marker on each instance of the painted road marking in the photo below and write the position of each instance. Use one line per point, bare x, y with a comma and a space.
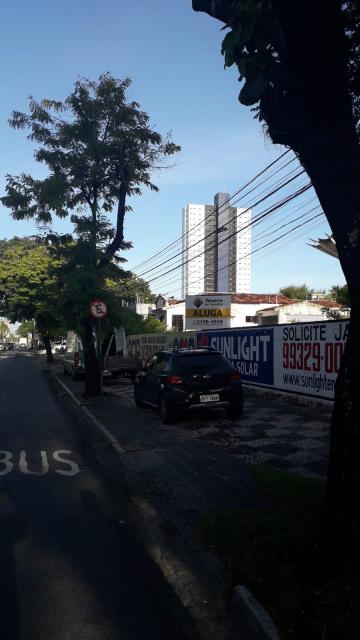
8, 464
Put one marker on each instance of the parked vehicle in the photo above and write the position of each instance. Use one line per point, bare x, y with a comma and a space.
59, 347
177, 381
115, 360
22, 343
2, 346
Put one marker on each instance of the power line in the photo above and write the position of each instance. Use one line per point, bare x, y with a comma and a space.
215, 232
259, 217
167, 283
258, 175
244, 210
295, 228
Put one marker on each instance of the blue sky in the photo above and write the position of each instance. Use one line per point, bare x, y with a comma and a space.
173, 57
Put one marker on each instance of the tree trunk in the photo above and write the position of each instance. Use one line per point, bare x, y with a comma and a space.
46, 341
92, 368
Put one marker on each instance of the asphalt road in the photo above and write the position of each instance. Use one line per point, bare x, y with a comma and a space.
71, 567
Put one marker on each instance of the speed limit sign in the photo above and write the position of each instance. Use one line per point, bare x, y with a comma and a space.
98, 309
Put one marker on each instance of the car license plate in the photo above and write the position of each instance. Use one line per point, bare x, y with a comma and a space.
214, 397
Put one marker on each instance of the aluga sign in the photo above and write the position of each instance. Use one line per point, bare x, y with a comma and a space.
207, 311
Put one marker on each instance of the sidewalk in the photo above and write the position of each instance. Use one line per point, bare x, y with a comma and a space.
180, 472
204, 461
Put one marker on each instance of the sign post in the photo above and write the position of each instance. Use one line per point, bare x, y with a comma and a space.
99, 310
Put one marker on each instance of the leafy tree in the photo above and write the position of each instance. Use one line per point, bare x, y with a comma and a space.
299, 60
4, 330
28, 288
340, 294
25, 328
133, 323
100, 149
130, 287
298, 291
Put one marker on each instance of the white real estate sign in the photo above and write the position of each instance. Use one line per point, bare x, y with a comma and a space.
207, 312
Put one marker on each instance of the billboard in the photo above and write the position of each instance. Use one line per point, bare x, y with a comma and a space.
308, 357
207, 312
251, 351
145, 345
301, 358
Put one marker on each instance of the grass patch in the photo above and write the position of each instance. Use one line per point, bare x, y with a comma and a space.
270, 553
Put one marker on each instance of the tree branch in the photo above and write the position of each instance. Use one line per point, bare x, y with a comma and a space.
116, 243
220, 9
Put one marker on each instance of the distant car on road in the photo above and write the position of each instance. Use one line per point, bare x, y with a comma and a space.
177, 381
60, 347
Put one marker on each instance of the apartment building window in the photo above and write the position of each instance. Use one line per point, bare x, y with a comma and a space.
251, 319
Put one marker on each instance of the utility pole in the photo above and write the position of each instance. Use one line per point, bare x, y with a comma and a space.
216, 250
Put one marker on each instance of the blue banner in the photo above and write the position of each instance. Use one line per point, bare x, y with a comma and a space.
251, 351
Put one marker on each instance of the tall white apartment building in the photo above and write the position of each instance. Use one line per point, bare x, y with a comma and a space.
216, 248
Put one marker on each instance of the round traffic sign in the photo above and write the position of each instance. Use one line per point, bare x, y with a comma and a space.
98, 309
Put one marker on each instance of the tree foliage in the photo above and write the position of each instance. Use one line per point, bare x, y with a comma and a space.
99, 149
4, 330
28, 287
340, 294
25, 328
256, 44
298, 291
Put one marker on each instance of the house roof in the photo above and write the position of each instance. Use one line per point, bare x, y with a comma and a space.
277, 299
329, 304
246, 298
261, 298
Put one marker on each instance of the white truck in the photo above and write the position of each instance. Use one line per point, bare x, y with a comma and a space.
115, 360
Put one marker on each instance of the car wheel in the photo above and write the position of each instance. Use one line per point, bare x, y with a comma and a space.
169, 415
235, 411
137, 399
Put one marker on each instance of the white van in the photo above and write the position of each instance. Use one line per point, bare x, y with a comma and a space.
74, 364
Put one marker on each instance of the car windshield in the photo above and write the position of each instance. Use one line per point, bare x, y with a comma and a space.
201, 362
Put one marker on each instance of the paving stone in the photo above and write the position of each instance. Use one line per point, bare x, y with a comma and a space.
255, 458
279, 448
277, 431
279, 463
308, 443
243, 432
316, 424
319, 466
312, 433
286, 417
302, 457
305, 473
260, 442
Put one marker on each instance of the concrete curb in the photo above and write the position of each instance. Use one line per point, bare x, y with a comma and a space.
245, 604
90, 418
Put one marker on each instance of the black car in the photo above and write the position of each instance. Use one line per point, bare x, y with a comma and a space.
185, 379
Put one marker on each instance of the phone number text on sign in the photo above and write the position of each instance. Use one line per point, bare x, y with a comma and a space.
310, 357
